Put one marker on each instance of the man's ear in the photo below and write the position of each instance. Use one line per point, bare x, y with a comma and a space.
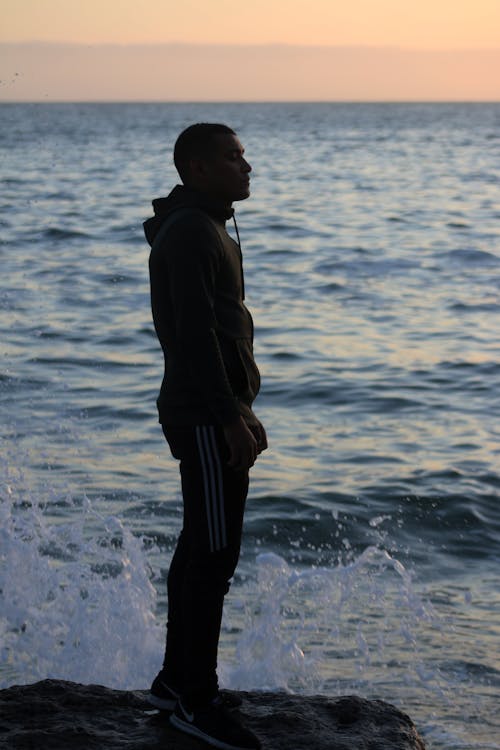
198, 168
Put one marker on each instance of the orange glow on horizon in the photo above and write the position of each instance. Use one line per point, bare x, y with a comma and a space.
427, 24
323, 50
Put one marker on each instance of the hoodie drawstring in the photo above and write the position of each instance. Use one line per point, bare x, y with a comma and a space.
241, 258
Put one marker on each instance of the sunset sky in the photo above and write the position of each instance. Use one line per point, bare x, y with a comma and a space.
467, 29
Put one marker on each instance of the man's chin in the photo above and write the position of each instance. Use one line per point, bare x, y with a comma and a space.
243, 195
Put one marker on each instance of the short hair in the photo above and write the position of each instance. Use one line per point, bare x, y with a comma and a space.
196, 141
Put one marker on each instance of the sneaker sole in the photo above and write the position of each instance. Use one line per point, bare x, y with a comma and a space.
185, 726
162, 703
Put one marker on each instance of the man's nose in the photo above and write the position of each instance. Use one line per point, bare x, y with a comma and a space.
246, 166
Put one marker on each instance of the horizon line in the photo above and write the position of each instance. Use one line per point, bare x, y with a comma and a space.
252, 101
294, 45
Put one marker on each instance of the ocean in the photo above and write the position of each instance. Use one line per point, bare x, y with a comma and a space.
370, 561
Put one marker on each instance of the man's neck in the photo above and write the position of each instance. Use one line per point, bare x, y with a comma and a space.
210, 199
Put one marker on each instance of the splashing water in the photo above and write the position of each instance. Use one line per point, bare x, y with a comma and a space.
78, 603
333, 629
74, 605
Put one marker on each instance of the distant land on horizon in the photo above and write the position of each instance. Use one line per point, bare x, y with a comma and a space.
179, 72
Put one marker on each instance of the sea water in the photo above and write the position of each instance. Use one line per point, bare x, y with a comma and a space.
370, 561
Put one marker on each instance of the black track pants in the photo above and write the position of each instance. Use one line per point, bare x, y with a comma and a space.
205, 557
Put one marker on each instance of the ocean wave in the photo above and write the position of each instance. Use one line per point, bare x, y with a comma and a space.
488, 307
471, 256
58, 234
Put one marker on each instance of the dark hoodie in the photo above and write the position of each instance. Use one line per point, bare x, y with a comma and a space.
204, 329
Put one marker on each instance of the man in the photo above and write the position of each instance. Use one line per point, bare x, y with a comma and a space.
205, 408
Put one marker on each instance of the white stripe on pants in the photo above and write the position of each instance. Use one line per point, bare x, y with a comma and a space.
213, 486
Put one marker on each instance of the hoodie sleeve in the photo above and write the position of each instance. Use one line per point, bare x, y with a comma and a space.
191, 267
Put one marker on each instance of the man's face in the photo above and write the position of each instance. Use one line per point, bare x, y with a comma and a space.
226, 173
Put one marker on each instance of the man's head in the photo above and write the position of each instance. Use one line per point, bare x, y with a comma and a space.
209, 158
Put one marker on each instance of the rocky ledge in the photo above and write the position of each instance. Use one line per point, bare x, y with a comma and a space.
57, 715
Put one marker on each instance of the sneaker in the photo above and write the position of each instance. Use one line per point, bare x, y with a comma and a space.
214, 725
161, 695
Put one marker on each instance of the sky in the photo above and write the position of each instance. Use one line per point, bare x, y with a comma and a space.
117, 32
421, 24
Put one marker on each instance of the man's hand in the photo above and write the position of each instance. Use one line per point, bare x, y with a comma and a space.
259, 434
243, 445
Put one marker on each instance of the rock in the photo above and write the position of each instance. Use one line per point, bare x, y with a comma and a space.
57, 715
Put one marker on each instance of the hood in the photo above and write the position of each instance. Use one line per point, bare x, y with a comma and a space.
183, 197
